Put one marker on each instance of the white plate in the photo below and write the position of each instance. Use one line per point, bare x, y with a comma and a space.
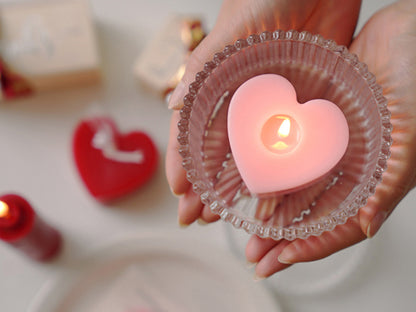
188, 274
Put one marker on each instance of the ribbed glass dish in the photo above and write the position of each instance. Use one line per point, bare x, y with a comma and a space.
318, 69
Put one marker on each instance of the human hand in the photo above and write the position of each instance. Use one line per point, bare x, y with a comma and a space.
387, 44
238, 19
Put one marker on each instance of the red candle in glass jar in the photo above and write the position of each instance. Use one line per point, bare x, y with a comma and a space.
23, 229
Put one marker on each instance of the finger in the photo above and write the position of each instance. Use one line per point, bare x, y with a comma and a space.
189, 208
269, 263
318, 247
208, 216
266, 207
175, 173
258, 247
397, 181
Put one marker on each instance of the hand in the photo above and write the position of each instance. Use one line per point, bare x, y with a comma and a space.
239, 19
387, 44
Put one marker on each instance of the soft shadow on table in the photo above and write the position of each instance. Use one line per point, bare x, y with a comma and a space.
154, 195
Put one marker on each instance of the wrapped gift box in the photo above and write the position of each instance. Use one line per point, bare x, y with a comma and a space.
46, 45
161, 64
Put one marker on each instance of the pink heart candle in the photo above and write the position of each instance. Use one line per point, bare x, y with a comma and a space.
278, 144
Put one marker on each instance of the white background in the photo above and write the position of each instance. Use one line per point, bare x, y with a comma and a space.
36, 161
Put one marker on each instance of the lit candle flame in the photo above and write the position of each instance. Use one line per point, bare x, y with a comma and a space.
283, 132
284, 129
280, 134
4, 209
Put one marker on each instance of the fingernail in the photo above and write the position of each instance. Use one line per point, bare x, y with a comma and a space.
376, 223
175, 194
286, 256
249, 264
201, 222
258, 278
175, 100
182, 225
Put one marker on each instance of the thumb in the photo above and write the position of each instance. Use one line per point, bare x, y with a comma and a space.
205, 51
395, 185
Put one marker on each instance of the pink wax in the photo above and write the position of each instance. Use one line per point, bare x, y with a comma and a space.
278, 144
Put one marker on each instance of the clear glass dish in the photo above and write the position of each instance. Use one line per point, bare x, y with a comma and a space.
317, 68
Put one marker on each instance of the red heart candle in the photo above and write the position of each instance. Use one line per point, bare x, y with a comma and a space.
23, 229
279, 145
112, 164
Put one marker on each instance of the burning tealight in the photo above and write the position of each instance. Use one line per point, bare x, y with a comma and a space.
23, 229
278, 144
280, 134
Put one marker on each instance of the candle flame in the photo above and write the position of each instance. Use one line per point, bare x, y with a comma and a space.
284, 129
280, 134
4, 209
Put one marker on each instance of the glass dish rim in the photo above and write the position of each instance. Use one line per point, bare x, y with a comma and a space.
325, 223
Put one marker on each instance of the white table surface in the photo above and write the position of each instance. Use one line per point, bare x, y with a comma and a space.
36, 161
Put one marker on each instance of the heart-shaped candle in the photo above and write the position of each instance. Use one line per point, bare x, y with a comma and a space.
278, 144
112, 164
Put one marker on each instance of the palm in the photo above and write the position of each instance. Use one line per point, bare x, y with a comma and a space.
387, 44
244, 17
